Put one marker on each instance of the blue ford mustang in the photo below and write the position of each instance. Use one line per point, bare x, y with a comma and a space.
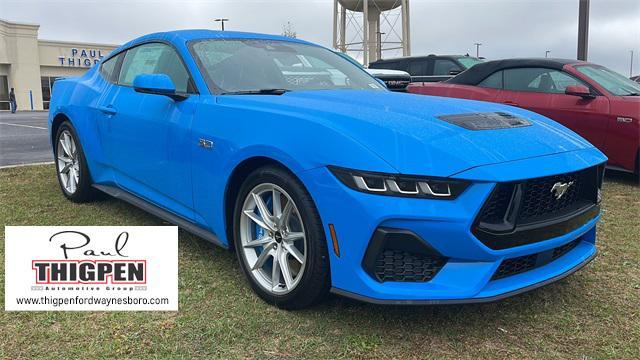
320, 178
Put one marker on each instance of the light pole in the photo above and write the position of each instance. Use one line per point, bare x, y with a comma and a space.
631, 64
583, 29
221, 20
477, 49
546, 53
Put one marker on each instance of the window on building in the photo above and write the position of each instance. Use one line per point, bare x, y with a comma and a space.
47, 85
4, 93
155, 58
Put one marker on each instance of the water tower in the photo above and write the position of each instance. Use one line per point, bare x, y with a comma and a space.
370, 27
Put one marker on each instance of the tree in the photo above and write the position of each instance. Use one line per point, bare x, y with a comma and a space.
289, 31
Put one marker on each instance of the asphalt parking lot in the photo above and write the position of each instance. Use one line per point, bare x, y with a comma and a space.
24, 138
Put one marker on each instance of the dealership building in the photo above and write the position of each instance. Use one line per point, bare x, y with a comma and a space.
30, 65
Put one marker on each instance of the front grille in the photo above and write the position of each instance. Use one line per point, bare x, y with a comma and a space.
539, 201
524, 212
398, 265
518, 265
495, 209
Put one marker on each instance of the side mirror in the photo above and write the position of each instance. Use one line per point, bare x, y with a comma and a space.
454, 72
157, 84
579, 90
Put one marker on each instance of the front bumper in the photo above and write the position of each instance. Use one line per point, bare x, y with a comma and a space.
468, 275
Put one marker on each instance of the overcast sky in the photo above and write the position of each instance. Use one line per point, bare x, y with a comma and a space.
506, 28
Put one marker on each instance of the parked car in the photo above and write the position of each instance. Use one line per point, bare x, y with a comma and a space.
323, 180
394, 80
597, 103
431, 68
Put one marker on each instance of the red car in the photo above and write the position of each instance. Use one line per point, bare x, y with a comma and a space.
597, 103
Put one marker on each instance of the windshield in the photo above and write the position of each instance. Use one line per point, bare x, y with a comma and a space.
610, 80
348, 58
247, 65
468, 61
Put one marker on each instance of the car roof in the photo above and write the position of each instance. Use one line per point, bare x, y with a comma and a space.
479, 72
422, 57
184, 36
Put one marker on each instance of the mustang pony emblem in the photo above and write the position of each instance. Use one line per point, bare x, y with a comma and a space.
559, 189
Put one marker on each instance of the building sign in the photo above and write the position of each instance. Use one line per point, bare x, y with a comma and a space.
81, 58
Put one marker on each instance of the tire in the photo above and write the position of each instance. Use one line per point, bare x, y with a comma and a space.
76, 163
308, 280
638, 167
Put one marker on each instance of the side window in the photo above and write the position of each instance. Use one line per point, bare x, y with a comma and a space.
444, 66
418, 67
155, 58
107, 69
493, 81
538, 80
399, 65
392, 65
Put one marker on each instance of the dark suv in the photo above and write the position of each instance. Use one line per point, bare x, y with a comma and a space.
430, 68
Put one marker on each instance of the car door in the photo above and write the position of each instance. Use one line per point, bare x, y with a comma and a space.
417, 67
442, 68
542, 90
147, 139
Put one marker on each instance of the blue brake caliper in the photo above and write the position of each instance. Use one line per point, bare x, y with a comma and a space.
260, 232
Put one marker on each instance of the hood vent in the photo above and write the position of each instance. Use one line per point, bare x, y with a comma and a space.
486, 121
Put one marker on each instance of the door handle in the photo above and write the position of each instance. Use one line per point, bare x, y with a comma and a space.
109, 110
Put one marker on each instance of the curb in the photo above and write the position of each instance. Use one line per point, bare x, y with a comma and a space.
25, 165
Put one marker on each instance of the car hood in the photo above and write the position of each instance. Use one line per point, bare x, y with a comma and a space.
376, 72
403, 129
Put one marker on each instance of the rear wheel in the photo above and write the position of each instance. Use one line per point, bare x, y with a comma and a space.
280, 241
71, 166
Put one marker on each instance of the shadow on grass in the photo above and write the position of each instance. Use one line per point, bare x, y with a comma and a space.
621, 177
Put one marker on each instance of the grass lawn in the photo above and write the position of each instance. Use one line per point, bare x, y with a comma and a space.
594, 313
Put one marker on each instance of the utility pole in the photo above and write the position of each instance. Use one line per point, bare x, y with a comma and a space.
583, 30
631, 65
477, 49
221, 20
546, 53
379, 44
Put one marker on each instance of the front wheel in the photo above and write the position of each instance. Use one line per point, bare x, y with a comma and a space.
71, 166
279, 239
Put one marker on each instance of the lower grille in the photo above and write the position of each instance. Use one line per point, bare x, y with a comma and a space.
518, 265
561, 250
398, 265
400, 255
515, 266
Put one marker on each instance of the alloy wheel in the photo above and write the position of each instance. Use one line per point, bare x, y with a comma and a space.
68, 163
274, 244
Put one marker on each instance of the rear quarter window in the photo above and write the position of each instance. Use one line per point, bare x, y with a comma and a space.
108, 69
494, 81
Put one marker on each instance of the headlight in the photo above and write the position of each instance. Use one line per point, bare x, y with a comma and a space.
400, 185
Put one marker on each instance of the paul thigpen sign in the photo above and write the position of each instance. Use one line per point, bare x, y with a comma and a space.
91, 268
